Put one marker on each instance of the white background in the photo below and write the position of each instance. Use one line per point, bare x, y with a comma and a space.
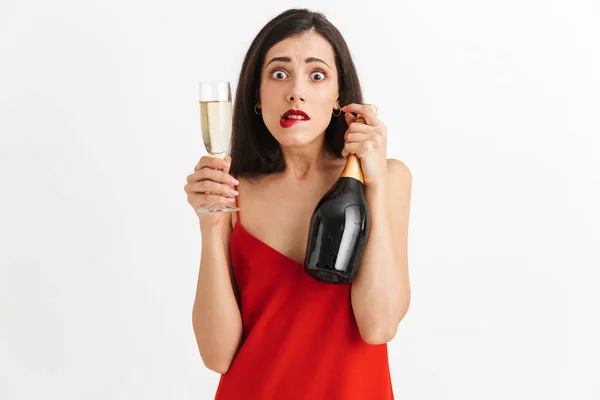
494, 106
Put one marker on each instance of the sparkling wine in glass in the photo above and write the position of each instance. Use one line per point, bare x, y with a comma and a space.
216, 125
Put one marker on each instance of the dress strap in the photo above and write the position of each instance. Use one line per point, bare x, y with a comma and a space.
237, 213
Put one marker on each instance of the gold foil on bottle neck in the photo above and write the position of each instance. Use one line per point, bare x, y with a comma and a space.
353, 168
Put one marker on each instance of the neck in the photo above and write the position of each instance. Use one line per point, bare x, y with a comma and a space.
306, 163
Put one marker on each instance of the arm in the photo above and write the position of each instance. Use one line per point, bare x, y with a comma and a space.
381, 290
216, 315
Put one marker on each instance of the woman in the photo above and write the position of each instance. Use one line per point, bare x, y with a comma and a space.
272, 331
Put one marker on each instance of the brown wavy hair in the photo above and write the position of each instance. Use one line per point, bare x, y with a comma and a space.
254, 151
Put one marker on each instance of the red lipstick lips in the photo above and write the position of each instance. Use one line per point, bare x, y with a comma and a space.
292, 117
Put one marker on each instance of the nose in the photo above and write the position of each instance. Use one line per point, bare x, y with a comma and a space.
296, 92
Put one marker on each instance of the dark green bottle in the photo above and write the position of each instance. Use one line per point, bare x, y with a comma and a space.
339, 227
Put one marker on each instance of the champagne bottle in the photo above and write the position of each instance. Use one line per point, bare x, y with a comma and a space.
339, 226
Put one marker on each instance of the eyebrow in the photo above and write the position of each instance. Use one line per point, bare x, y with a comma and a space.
287, 59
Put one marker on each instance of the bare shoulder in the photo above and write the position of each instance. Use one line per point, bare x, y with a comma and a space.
400, 183
398, 173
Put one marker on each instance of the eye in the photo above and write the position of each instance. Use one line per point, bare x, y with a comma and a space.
278, 74
318, 76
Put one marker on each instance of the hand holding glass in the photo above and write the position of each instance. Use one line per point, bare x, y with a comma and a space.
216, 125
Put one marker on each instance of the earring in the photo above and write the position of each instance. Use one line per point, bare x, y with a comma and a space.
256, 109
338, 114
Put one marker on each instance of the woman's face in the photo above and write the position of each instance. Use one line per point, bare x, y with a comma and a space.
299, 73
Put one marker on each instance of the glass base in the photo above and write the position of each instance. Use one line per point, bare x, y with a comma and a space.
217, 208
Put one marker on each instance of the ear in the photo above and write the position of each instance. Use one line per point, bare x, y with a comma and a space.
257, 97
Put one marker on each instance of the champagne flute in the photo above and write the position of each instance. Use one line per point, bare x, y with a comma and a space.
216, 126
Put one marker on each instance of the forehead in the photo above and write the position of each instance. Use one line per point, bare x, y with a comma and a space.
307, 44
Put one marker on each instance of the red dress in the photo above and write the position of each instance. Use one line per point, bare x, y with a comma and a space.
300, 339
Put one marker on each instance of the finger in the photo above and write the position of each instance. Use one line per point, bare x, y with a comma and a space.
226, 164
210, 187
360, 149
364, 110
210, 199
362, 128
213, 162
210, 162
227, 160
349, 118
216, 176
351, 137
213, 175
350, 148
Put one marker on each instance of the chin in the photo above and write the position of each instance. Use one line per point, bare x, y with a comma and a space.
295, 135
294, 139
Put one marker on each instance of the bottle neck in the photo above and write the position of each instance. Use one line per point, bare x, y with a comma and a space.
353, 168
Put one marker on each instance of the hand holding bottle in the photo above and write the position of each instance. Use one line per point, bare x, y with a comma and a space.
368, 141
340, 224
